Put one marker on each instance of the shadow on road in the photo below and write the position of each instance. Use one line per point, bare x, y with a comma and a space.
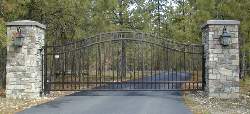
126, 93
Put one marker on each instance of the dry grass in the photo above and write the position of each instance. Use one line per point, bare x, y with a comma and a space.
245, 86
11, 106
194, 106
2, 92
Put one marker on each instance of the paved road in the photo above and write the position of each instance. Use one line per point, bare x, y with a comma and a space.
115, 102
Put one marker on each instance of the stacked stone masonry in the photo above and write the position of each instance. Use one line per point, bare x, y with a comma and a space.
24, 64
222, 62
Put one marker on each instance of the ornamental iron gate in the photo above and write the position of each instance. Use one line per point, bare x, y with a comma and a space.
123, 61
3, 59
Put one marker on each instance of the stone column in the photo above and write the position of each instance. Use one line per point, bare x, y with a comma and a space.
24, 63
221, 62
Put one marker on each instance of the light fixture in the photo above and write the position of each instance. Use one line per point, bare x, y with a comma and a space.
19, 38
225, 38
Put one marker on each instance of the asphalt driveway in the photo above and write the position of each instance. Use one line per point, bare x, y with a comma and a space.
115, 102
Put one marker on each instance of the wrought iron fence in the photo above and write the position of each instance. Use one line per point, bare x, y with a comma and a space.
244, 64
3, 55
244, 57
123, 61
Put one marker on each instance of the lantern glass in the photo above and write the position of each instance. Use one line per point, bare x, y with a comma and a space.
226, 41
19, 41
225, 38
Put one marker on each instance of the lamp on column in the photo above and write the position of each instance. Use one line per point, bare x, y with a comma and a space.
19, 38
225, 38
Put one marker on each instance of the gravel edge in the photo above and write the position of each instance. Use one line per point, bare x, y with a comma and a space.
200, 104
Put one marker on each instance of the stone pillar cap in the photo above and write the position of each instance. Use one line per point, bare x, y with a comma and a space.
221, 22
26, 23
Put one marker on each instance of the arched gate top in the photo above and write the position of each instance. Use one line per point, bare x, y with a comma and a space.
135, 37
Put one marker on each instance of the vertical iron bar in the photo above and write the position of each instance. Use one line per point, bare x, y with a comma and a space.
52, 69
203, 69
72, 70
197, 71
176, 69
193, 70
64, 67
189, 67
45, 69
96, 69
42, 65
179, 65
100, 62
117, 69
172, 67
75, 64
80, 67
185, 67
138, 66
168, 65
123, 62
151, 65
103, 66
113, 62
164, 64
130, 75
159, 67
84, 68
134, 60
142, 65
88, 64
155, 67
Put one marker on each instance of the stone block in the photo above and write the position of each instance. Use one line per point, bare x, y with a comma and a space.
215, 51
223, 95
226, 72
234, 95
234, 40
16, 69
230, 78
235, 62
236, 78
234, 51
212, 76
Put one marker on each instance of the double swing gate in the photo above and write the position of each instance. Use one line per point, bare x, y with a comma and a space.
123, 61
